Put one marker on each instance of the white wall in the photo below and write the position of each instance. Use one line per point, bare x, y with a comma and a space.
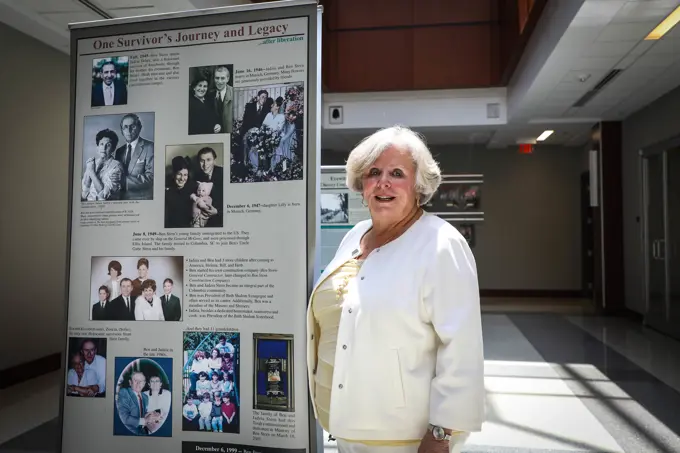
34, 125
531, 236
655, 123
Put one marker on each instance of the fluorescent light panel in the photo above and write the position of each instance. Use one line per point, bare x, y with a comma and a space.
665, 26
544, 135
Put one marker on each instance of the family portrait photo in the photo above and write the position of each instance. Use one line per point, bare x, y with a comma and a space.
136, 288
118, 157
267, 142
211, 99
273, 372
109, 81
334, 208
194, 186
210, 382
86, 367
143, 397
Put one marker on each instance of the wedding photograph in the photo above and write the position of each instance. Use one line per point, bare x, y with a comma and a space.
267, 143
211, 99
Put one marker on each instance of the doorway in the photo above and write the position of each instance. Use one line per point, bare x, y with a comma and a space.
661, 197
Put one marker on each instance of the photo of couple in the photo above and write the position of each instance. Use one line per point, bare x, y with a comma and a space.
194, 186
268, 133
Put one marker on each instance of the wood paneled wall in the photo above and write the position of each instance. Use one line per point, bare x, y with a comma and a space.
394, 45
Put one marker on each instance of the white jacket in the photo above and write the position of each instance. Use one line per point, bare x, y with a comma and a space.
409, 348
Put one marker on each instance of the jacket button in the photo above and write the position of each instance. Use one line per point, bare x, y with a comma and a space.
344, 346
363, 278
350, 310
340, 386
312, 336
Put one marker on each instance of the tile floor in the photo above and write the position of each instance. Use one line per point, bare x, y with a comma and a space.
557, 383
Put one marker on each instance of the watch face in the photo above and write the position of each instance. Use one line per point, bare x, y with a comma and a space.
438, 432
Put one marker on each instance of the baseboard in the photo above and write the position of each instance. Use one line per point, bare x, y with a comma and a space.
546, 293
29, 370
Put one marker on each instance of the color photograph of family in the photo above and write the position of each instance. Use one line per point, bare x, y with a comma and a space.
143, 401
267, 143
210, 382
86, 368
211, 96
136, 288
118, 157
194, 186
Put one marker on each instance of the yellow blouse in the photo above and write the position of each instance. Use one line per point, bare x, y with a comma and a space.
327, 308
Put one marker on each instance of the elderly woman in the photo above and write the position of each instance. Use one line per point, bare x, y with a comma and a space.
395, 341
103, 174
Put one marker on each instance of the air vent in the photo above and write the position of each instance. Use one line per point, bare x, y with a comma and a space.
611, 75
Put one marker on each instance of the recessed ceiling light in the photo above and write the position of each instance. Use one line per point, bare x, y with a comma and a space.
544, 135
665, 26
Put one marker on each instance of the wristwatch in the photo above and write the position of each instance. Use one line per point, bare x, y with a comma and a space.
439, 433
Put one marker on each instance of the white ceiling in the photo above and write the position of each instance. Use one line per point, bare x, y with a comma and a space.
574, 39
578, 40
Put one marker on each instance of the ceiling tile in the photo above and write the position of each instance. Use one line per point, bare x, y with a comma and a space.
609, 49
644, 11
52, 6
649, 60
600, 8
627, 32
64, 19
665, 47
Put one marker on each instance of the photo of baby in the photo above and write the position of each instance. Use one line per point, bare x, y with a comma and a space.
194, 186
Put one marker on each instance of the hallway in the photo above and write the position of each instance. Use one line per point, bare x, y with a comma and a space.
555, 383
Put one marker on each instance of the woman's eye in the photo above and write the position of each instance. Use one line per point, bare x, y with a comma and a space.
398, 173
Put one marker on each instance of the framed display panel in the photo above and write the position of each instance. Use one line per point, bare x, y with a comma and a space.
194, 151
274, 373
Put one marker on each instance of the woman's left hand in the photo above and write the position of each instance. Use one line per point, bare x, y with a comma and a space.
431, 445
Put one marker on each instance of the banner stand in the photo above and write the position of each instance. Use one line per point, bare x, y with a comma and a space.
193, 231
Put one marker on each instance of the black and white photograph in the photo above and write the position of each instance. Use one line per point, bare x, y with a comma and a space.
86, 367
109, 81
136, 288
267, 142
211, 385
194, 186
118, 157
211, 99
143, 397
334, 208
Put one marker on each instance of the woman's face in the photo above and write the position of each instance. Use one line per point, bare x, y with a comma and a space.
155, 384
105, 147
274, 109
103, 295
214, 354
142, 271
148, 294
181, 178
389, 185
201, 88
113, 273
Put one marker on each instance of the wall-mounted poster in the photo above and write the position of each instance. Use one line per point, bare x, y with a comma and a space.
468, 232
274, 376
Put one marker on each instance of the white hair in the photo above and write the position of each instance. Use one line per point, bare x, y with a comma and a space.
428, 175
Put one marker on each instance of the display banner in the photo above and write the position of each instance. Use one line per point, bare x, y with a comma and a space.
193, 228
339, 210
